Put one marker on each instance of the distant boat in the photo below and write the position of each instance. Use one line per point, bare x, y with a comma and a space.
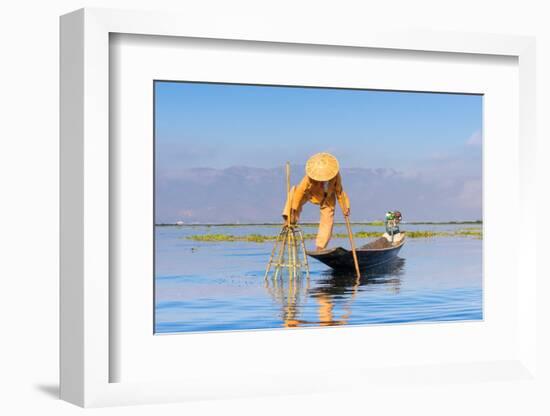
179, 222
375, 253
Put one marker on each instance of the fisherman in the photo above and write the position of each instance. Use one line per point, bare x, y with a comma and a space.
321, 185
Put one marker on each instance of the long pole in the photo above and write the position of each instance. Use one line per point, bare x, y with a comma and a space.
350, 235
287, 178
291, 261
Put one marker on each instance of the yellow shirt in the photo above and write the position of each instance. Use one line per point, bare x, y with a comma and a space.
313, 191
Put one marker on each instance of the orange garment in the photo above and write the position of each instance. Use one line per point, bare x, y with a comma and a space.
323, 194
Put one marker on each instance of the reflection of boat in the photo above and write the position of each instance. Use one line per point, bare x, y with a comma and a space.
343, 282
373, 254
380, 274
342, 286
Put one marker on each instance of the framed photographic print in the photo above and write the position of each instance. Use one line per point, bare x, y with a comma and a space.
237, 206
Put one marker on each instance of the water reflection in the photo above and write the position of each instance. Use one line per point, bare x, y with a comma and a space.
334, 293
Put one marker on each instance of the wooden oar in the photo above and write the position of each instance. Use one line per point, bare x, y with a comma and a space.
350, 234
287, 167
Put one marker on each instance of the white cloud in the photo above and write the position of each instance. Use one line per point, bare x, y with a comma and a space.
475, 139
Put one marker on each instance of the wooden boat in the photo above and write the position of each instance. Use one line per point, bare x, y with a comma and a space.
373, 254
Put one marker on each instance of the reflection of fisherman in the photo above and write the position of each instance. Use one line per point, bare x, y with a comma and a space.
322, 185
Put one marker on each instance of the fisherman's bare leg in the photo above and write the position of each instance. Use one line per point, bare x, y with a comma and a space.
325, 226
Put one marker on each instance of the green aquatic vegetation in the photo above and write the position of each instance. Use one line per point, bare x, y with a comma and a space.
409, 234
211, 237
261, 238
457, 233
472, 232
426, 234
253, 238
258, 238
365, 234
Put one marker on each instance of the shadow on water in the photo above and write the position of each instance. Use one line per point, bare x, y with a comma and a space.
334, 288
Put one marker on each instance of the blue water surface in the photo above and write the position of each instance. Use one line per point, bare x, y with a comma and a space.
211, 286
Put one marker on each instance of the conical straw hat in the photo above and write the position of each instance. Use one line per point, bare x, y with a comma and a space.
322, 167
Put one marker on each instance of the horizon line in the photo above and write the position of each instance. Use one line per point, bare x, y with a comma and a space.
317, 223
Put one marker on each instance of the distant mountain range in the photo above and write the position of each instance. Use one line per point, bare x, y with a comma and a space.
257, 195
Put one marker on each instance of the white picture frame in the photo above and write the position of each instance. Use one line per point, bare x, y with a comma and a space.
87, 356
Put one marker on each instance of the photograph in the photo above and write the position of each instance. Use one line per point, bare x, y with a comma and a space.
279, 207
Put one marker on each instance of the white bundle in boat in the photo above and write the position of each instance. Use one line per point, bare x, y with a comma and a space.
397, 238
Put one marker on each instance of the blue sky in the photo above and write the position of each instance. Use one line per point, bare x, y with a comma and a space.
429, 140
221, 125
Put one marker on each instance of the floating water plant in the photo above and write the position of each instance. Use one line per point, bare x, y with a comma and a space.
262, 238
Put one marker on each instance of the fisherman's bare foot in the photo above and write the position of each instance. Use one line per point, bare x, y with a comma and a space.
317, 248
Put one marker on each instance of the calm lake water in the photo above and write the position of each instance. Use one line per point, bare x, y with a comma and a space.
212, 286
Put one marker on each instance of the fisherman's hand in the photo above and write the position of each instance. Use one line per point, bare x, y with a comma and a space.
346, 212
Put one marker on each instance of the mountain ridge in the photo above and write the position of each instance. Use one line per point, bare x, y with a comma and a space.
243, 194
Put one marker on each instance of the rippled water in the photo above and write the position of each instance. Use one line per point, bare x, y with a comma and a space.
205, 286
